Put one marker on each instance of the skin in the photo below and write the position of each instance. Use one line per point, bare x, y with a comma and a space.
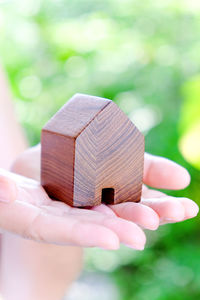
28, 269
42, 241
26, 210
13, 141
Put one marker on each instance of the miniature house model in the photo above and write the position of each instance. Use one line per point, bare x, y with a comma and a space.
92, 153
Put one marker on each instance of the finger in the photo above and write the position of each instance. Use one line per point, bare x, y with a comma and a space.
104, 209
70, 231
31, 222
190, 207
35, 198
28, 163
17, 187
150, 193
18, 179
162, 173
169, 209
127, 232
137, 213
23, 219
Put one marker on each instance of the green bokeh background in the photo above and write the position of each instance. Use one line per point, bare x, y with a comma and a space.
144, 55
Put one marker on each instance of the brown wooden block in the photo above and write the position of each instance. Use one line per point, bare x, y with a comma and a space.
92, 153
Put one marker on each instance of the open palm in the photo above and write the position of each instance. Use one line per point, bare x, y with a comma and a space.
26, 209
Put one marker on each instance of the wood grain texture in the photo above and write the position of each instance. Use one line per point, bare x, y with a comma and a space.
92, 152
76, 114
57, 166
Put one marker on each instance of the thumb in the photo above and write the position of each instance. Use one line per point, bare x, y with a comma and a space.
8, 189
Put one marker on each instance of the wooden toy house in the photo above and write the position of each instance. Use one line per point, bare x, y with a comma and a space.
91, 153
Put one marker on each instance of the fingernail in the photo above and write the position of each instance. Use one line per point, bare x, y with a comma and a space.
193, 210
153, 223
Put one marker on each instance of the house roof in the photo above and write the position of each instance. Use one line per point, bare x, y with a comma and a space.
76, 114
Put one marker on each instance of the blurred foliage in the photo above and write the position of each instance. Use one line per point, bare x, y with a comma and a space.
190, 122
145, 55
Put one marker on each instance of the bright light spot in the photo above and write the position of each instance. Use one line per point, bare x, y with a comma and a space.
164, 4
78, 290
96, 29
172, 272
189, 145
145, 118
116, 61
26, 33
76, 66
81, 35
127, 101
181, 280
93, 286
192, 5
28, 8
106, 262
30, 87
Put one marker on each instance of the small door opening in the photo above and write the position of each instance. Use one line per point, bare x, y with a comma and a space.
107, 195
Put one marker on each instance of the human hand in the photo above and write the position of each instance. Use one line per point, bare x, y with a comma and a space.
159, 173
30, 213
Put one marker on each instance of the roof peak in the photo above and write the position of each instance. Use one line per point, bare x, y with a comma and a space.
75, 115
